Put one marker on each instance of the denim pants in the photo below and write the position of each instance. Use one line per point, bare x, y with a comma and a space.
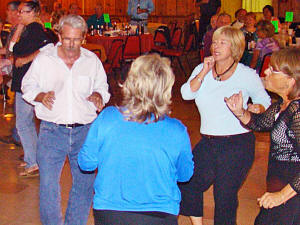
54, 145
26, 129
224, 163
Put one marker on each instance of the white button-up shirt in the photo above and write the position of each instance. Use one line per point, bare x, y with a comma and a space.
48, 72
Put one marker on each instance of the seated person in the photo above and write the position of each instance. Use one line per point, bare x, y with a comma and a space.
224, 19
3, 34
251, 37
267, 44
97, 18
268, 12
45, 15
212, 23
240, 18
57, 13
74, 9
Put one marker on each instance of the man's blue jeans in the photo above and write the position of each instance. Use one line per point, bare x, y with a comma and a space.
26, 129
54, 144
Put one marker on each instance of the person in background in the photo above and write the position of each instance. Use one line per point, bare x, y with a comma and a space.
268, 12
29, 37
97, 18
3, 35
67, 86
56, 14
251, 37
281, 203
225, 153
224, 19
213, 23
139, 11
13, 19
265, 45
240, 18
140, 152
74, 8
45, 14
208, 8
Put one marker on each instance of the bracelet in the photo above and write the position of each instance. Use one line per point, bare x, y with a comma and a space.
241, 115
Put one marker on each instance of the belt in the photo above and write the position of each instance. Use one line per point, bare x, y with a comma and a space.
138, 20
215, 137
71, 126
221, 136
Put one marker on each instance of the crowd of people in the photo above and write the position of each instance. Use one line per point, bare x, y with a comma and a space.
147, 171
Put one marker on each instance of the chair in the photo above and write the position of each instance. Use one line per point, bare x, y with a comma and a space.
172, 25
265, 64
97, 49
114, 57
160, 41
176, 53
176, 38
132, 48
201, 54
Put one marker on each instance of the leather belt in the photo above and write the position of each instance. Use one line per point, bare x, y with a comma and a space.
71, 126
216, 137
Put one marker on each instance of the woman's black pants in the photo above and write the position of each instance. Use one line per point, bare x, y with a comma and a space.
224, 163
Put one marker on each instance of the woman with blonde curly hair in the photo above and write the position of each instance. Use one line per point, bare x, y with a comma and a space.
140, 152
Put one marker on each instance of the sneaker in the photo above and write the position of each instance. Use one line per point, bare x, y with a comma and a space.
9, 140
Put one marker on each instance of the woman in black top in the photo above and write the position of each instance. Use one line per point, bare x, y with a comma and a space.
31, 37
281, 203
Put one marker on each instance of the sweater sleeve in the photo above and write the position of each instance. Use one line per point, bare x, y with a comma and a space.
264, 121
295, 127
186, 91
185, 164
88, 156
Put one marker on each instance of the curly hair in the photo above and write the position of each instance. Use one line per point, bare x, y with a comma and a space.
147, 89
266, 27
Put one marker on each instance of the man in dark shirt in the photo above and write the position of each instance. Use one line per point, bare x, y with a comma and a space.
208, 8
97, 18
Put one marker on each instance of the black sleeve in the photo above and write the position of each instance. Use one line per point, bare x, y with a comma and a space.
294, 110
264, 121
32, 39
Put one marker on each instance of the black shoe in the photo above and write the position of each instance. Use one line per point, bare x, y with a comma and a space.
9, 140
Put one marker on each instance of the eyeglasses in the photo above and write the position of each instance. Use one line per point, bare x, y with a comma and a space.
274, 71
24, 11
69, 40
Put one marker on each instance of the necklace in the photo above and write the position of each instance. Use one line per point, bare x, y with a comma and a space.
218, 77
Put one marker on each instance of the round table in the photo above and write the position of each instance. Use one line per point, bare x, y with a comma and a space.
106, 41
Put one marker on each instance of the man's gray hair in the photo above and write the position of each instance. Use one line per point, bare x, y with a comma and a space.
74, 21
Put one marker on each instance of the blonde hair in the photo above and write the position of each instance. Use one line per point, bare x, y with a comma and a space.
288, 61
147, 89
236, 38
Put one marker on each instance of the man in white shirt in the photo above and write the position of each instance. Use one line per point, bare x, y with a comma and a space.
67, 85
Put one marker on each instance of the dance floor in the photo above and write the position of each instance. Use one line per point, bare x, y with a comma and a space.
19, 196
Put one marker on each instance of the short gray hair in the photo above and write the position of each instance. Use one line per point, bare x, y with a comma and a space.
74, 21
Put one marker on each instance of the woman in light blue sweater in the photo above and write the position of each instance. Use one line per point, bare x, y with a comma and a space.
140, 152
225, 153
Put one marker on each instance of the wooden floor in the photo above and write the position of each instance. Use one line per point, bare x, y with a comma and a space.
19, 196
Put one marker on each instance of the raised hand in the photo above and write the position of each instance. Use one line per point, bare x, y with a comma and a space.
235, 103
